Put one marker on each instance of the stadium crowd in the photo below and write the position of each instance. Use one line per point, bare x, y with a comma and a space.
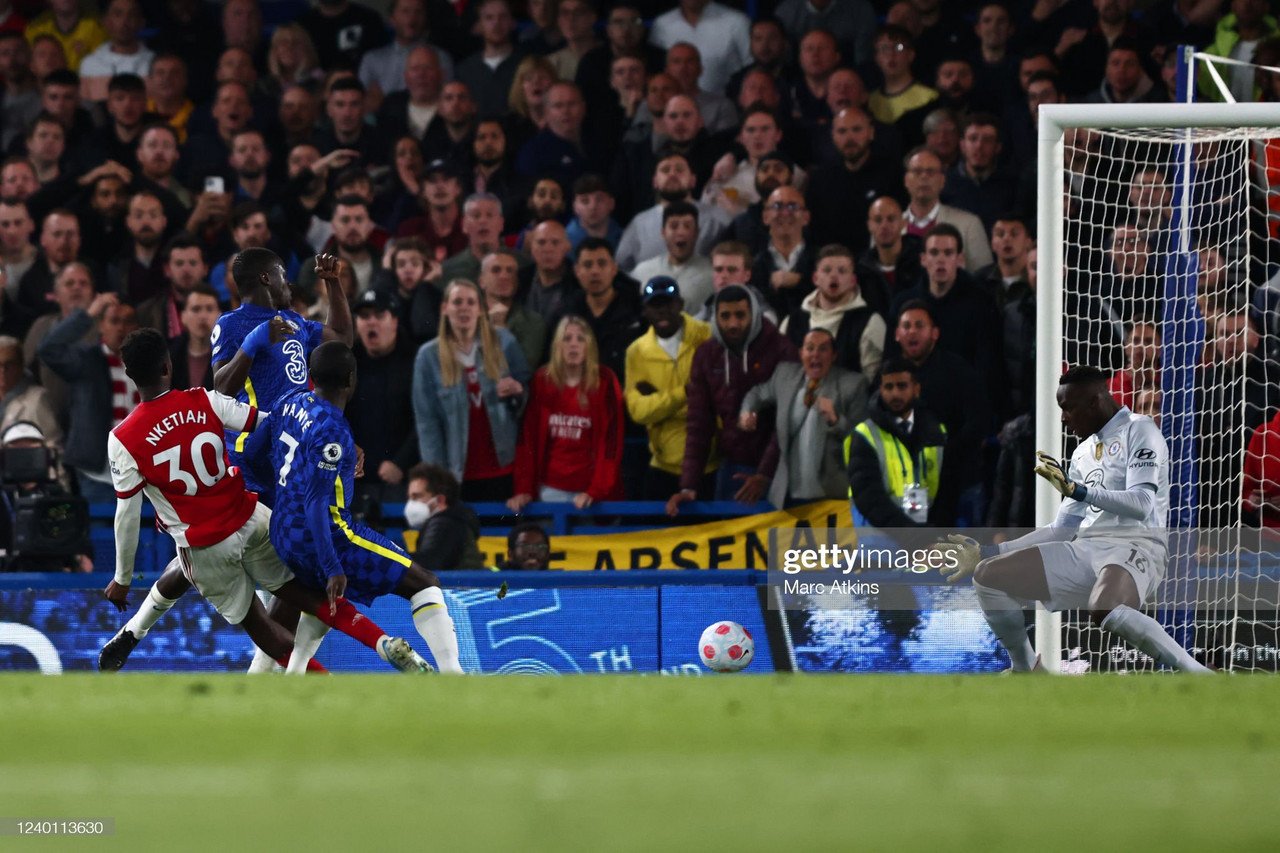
599, 251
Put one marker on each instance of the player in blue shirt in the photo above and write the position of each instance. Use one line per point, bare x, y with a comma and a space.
312, 528
255, 369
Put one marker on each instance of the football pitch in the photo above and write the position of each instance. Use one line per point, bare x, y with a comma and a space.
645, 763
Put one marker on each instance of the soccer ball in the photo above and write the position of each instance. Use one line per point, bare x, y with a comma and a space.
726, 647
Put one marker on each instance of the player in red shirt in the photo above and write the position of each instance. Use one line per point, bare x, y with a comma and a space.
171, 448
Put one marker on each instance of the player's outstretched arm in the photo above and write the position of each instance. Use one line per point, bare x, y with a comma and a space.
340, 326
127, 522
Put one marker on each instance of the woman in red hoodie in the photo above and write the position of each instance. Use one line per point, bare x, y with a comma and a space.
571, 444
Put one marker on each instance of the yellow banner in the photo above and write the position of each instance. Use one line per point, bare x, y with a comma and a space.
734, 543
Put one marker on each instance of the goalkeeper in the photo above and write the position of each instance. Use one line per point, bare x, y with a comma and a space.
1106, 549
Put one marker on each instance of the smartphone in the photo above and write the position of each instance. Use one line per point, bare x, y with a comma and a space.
214, 184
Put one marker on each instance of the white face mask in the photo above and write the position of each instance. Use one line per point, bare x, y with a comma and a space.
417, 512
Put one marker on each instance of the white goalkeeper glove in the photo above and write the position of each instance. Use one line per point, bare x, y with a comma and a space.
961, 555
1051, 469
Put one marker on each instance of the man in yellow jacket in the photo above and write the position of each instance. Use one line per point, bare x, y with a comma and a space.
658, 366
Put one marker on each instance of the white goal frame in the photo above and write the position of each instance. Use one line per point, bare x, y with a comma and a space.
1055, 121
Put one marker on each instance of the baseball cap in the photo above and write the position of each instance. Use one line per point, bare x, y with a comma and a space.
659, 287
21, 430
377, 300
438, 166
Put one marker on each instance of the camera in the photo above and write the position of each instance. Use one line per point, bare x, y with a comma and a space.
46, 526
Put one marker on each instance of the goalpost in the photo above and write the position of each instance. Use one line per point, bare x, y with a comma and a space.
1157, 221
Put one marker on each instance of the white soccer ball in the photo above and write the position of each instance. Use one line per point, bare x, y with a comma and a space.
726, 647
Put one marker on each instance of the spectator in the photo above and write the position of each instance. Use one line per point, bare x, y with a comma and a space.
381, 414
122, 53
733, 182
20, 97
896, 456
819, 58
346, 129
957, 394
298, 115
21, 398
745, 351
157, 155
17, 254
673, 180
491, 174
901, 93
206, 152
136, 273
839, 193
692, 272
1019, 348
542, 36
183, 269
447, 528
924, 183
577, 23
468, 395
385, 70
250, 162
1006, 279
721, 35
783, 272
1125, 81
593, 205
684, 64
78, 33
609, 301
101, 394
489, 72
354, 239
769, 55
775, 169
526, 106
1236, 37
967, 317
1141, 371
1022, 117
558, 151
731, 263
397, 199
59, 246
72, 291
977, 183
167, 95
681, 132
547, 284
659, 363
836, 305
941, 129
851, 22
191, 351
417, 300
817, 404
60, 97
995, 66
482, 223
440, 227
528, 547
498, 280
413, 107
291, 61
625, 37
571, 445
892, 264
343, 32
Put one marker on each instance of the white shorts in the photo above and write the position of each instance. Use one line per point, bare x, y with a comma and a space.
1071, 568
225, 573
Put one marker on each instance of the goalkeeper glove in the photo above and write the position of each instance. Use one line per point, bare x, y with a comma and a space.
961, 556
1051, 469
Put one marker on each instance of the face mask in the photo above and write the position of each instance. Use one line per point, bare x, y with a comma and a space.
417, 512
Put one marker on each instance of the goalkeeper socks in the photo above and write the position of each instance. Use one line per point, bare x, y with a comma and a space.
151, 610
432, 619
1147, 635
1004, 614
306, 640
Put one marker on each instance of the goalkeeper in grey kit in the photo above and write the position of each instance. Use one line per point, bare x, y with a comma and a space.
1107, 548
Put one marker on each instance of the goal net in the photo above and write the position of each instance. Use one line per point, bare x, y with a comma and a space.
1158, 264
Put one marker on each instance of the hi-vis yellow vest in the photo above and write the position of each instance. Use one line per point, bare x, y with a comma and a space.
898, 467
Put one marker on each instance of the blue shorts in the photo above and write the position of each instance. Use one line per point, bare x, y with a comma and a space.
254, 462
372, 563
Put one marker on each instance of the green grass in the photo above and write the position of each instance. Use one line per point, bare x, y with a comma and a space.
631, 763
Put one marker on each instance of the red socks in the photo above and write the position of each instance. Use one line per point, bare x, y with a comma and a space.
313, 665
351, 622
